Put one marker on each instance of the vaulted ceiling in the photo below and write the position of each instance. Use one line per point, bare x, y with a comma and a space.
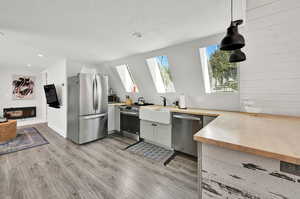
101, 30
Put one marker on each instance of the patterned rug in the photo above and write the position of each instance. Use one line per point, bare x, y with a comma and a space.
26, 138
151, 151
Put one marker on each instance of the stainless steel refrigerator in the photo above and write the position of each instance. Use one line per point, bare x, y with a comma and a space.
87, 107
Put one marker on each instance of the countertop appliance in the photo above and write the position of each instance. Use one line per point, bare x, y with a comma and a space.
130, 122
87, 107
184, 126
113, 98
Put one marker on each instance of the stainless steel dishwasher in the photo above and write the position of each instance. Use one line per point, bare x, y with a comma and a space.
184, 126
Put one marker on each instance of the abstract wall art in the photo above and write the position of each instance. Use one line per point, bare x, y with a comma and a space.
23, 87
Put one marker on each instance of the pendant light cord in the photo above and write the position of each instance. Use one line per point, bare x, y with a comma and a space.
231, 11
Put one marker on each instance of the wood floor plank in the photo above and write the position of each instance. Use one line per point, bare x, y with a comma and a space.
98, 170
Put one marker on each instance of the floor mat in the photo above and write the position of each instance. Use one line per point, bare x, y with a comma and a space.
151, 151
26, 138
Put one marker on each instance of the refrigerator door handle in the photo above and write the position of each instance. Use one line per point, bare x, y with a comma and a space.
94, 116
94, 95
97, 95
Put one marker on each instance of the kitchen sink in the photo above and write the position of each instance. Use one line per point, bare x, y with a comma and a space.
159, 115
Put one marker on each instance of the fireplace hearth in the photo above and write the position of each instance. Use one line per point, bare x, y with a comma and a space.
19, 112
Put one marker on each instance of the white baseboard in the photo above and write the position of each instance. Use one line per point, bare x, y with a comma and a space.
29, 122
58, 131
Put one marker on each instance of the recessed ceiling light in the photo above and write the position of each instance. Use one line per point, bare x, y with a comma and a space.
40, 55
137, 34
28, 65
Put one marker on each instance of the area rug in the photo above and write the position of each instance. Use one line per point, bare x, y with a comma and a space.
151, 151
26, 138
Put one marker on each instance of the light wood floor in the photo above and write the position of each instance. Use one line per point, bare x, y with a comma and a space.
63, 170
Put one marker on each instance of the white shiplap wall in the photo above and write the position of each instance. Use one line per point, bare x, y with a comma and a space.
271, 75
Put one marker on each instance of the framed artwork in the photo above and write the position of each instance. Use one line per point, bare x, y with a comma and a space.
23, 87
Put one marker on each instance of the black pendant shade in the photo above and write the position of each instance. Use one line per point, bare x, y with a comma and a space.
233, 39
237, 56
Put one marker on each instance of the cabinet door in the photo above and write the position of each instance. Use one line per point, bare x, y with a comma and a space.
111, 118
147, 130
117, 118
163, 135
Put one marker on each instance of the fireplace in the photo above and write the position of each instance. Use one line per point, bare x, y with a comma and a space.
19, 112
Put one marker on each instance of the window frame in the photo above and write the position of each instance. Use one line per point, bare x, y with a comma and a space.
132, 80
159, 89
206, 76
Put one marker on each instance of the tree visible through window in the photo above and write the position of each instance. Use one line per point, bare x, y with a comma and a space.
161, 74
219, 74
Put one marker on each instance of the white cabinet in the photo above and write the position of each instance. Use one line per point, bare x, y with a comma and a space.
146, 130
163, 134
156, 133
117, 118
113, 118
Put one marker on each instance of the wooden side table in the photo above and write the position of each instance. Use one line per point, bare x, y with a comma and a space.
8, 130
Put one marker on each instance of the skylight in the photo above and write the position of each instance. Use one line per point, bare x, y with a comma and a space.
127, 79
218, 73
161, 74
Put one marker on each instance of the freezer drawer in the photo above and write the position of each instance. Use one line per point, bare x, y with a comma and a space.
92, 127
184, 126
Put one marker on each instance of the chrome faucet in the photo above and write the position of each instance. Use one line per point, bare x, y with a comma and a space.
164, 100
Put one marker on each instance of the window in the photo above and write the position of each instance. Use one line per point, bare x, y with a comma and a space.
218, 73
127, 79
161, 74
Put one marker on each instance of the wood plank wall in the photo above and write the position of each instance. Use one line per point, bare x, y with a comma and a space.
271, 75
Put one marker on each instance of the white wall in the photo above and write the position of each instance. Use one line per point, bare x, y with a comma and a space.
75, 67
57, 118
271, 76
6, 91
184, 60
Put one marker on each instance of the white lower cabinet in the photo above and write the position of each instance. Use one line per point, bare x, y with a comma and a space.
113, 118
156, 133
117, 119
146, 130
163, 135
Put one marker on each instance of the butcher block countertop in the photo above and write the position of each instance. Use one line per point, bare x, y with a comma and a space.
116, 103
271, 136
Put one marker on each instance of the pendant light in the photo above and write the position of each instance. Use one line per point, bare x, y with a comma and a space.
233, 39
237, 56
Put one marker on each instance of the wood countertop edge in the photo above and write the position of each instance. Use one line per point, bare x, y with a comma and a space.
236, 147
116, 104
245, 149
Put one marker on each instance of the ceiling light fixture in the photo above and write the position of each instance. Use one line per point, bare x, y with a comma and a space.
40, 55
137, 34
233, 39
28, 65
